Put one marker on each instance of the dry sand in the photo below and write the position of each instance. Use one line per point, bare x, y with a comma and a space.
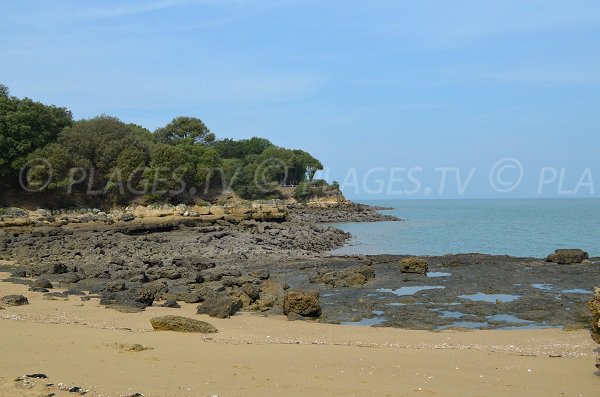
84, 344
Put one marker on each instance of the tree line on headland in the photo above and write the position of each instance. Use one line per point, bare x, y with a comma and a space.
42, 149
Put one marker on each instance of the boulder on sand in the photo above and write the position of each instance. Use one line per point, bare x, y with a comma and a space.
42, 283
219, 306
413, 264
14, 300
304, 303
567, 256
181, 324
594, 306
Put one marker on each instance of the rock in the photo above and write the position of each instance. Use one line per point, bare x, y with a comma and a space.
14, 300
291, 316
413, 265
304, 303
350, 277
181, 324
127, 217
42, 283
19, 273
171, 303
567, 256
44, 213
219, 306
253, 291
594, 306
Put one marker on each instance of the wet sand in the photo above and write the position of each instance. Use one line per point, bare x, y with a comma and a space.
80, 344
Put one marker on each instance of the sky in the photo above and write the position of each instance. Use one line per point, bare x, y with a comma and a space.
398, 99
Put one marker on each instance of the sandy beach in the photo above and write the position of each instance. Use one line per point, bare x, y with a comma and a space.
86, 345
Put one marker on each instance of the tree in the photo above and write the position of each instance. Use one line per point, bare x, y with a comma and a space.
4, 91
185, 130
48, 168
26, 125
99, 147
171, 171
229, 148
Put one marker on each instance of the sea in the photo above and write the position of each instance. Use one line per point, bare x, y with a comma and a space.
517, 227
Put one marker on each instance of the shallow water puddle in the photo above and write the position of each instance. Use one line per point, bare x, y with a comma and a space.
450, 314
406, 291
508, 318
492, 298
365, 321
543, 287
438, 274
576, 291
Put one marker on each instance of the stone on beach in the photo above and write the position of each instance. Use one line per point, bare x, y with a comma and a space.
14, 300
594, 306
304, 303
219, 306
181, 324
42, 283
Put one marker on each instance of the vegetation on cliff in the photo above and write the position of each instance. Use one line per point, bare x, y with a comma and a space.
42, 149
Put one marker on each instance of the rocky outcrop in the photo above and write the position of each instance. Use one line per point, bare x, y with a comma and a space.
14, 300
413, 265
303, 303
594, 306
567, 256
351, 277
272, 211
336, 212
181, 324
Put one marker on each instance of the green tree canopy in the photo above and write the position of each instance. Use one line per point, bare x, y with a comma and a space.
26, 125
184, 130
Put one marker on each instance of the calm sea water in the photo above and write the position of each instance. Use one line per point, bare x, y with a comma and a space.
527, 227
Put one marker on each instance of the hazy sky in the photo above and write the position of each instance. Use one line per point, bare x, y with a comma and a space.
388, 86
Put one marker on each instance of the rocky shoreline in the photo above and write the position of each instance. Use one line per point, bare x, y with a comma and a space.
225, 264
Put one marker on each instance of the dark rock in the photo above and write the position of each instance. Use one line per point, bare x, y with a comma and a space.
181, 324
14, 300
219, 306
253, 291
127, 217
58, 268
116, 286
70, 278
567, 256
291, 316
38, 289
19, 273
42, 283
171, 303
74, 292
304, 303
413, 265
37, 376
